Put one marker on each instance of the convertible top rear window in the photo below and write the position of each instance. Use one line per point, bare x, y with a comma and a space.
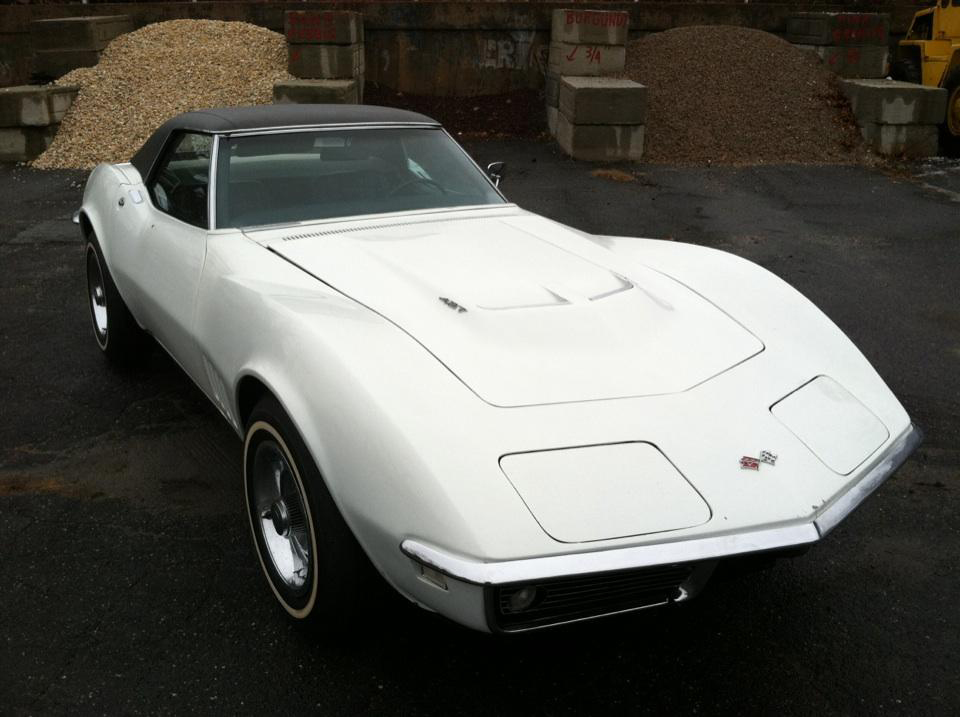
321, 174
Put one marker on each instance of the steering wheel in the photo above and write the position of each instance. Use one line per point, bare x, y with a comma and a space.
416, 180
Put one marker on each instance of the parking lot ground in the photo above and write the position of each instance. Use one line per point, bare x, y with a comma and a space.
128, 582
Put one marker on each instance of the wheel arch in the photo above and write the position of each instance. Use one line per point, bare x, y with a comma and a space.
94, 217
86, 226
251, 388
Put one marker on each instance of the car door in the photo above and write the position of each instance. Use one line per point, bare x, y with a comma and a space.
170, 250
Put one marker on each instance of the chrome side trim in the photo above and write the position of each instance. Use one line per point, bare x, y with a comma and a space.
75, 218
212, 184
891, 460
325, 127
681, 551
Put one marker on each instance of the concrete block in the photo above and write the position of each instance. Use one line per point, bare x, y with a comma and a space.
586, 60
902, 140
328, 62
328, 27
838, 28
603, 100
600, 143
34, 105
590, 27
56, 63
319, 92
24, 105
867, 62
552, 90
553, 117
889, 102
21, 144
78, 33
60, 97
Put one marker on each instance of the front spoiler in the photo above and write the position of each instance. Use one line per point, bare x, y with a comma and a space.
681, 551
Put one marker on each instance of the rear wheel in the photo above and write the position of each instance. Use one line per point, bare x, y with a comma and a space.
114, 328
950, 129
314, 565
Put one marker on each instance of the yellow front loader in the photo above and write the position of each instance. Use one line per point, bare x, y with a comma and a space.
930, 55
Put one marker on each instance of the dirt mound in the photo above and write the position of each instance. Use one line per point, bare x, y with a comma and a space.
152, 74
734, 95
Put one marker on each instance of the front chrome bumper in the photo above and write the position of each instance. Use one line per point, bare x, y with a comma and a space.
503, 572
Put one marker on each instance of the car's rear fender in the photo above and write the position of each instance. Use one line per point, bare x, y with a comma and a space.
99, 207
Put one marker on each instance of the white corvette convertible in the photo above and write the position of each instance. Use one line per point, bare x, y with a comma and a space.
515, 423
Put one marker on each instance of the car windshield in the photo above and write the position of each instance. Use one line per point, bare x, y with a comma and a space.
321, 174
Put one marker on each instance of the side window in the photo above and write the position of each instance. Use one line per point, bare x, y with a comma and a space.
179, 184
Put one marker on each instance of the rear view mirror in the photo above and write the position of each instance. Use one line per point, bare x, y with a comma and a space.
495, 171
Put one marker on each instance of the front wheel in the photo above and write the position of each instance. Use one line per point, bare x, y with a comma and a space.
950, 129
314, 565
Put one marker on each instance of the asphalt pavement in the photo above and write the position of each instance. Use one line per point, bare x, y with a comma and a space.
129, 584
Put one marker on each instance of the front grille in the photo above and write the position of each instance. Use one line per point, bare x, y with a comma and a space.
578, 598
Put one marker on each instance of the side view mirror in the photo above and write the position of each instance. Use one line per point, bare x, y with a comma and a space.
495, 171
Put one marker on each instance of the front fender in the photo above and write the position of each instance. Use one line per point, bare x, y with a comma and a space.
405, 448
794, 330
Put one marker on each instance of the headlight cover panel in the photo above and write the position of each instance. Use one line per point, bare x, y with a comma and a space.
603, 492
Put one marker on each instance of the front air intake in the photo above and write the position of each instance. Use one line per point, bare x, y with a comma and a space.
528, 606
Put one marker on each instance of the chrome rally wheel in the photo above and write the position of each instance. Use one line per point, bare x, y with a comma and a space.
119, 337
314, 565
97, 295
280, 518
281, 507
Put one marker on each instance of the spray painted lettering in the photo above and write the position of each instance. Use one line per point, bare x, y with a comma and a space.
517, 53
599, 19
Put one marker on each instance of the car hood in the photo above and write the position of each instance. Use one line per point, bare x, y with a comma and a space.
524, 311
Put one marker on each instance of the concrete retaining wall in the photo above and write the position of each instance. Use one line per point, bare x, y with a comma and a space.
897, 118
442, 48
29, 118
63, 44
851, 44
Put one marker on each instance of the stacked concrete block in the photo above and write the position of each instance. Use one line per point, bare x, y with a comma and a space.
552, 94
29, 118
850, 44
63, 44
601, 118
897, 118
317, 92
583, 43
326, 52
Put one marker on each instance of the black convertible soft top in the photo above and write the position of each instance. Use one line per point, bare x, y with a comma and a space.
234, 119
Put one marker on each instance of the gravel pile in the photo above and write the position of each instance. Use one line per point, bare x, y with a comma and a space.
147, 76
733, 95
